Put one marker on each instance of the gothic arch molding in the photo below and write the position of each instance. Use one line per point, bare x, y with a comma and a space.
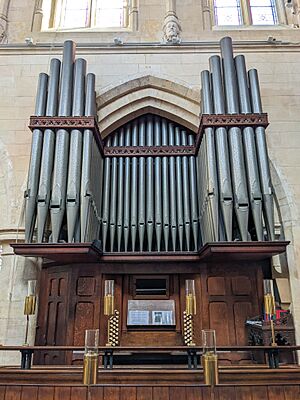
119, 104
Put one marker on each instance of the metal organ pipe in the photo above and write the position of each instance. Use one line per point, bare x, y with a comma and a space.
222, 151
92, 173
179, 190
186, 193
254, 190
120, 192
75, 152
241, 202
165, 186
134, 188
113, 195
173, 217
193, 195
263, 160
126, 221
35, 160
157, 185
142, 185
149, 185
58, 197
43, 198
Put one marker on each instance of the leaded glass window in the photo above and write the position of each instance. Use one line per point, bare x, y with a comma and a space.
247, 12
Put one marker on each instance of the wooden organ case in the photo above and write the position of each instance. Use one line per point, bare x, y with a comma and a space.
158, 205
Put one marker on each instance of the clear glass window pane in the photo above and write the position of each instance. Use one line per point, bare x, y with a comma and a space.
76, 14
227, 12
109, 13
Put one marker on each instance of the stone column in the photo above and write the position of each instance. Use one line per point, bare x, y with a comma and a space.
37, 16
4, 7
134, 15
171, 27
15, 272
207, 18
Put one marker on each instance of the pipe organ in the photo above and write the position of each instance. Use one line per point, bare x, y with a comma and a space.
165, 205
165, 194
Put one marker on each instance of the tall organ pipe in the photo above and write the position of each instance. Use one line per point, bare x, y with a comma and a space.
149, 185
106, 197
35, 160
142, 185
179, 190
263, 160
165, 186
193, 195
210, 191
173, 217
120, 192
235, 140
47, 161
58, 197
126, 220
75, 153
186, 193
254, 190
113, 195
134, 188
158, 185
92, 171
222, 151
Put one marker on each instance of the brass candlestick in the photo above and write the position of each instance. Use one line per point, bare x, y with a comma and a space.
29, 306
190, 311
114, 315
210, 358
90, 361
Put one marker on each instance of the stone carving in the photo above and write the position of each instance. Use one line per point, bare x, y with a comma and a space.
171, 29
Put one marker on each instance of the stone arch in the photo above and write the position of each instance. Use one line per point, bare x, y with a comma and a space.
120, 104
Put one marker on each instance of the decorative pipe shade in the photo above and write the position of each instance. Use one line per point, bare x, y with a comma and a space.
31, 288
91, 340
268, 287
190, 297
209, 341
109, 288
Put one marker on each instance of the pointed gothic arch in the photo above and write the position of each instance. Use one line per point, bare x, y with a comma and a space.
148, 94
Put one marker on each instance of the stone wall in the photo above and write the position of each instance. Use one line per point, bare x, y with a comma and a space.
174, 76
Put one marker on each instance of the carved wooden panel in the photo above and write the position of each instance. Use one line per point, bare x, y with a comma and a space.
52, 327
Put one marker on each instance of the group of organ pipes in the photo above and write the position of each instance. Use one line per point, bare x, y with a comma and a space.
163, 188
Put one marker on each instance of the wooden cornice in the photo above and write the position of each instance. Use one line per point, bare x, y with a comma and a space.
75, 253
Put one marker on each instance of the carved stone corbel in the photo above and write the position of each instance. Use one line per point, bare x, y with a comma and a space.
171, 27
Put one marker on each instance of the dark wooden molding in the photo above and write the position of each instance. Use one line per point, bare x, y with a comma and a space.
146, 151
75, 253
248, 251
229, 120
61, 252
69, 123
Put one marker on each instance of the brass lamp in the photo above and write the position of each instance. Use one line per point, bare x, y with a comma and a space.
190, 311
114, 315
269, 304
90, 361
210, 358
29, 305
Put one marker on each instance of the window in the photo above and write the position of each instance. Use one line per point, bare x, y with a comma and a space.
78, 14
248, 12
